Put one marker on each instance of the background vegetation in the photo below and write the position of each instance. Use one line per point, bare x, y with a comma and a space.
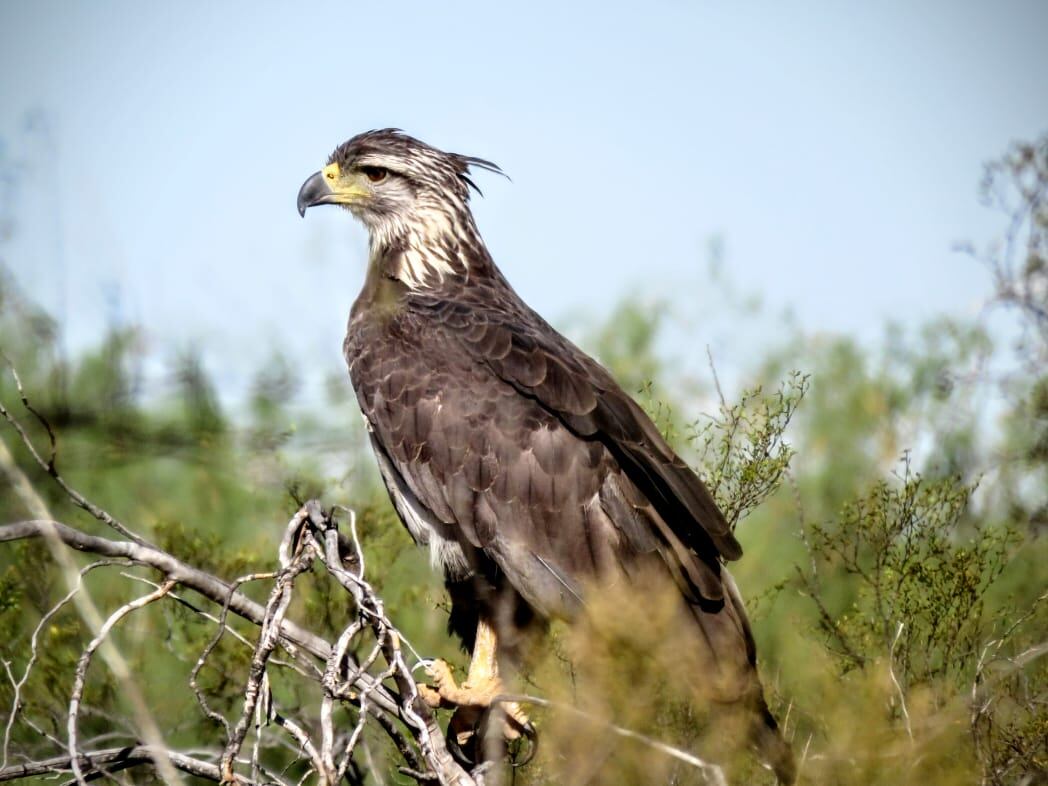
892, 501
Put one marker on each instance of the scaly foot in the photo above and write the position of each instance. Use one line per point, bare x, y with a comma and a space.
472, 699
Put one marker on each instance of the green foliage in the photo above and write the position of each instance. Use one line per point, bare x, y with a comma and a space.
904, 586
743, 452
917, 568
9, 592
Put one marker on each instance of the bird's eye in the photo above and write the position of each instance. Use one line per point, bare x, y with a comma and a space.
375, 174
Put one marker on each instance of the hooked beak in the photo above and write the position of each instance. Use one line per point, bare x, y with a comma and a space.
315, 191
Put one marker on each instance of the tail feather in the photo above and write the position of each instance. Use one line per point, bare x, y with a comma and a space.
771, 747
733, 681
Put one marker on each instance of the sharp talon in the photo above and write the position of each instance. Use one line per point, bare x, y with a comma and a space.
424, 663
457, 753
461, 738
530, 747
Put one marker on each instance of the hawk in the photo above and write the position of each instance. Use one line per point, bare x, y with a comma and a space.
511, 454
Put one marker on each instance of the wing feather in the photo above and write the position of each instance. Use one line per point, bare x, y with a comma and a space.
520, 445
546, 366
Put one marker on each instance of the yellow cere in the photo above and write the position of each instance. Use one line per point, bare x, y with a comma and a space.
331, 173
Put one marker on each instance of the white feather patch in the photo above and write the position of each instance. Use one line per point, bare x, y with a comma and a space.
444, 553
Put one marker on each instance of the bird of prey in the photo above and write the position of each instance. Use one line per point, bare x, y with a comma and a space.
506, 450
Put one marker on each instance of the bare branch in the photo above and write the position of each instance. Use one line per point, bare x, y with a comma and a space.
895, 680
413, 710
206, 584
84, 604
50, 467
211, 645
344, 560
303, 740
716, 379
114, 759
143, 716
276, 608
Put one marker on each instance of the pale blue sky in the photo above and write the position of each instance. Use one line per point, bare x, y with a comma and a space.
835, 147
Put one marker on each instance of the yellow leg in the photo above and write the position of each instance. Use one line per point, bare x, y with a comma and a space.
484, 665
482, 684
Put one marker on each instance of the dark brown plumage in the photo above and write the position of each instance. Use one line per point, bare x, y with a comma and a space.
507, 450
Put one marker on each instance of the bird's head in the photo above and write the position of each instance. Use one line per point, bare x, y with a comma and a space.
402, 189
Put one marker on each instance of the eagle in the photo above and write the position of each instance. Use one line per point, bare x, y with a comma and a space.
507, 451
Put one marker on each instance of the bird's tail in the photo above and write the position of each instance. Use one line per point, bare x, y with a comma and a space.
736, 685
772, 749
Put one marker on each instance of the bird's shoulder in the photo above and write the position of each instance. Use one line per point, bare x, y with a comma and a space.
491, 326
